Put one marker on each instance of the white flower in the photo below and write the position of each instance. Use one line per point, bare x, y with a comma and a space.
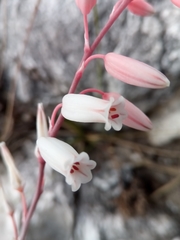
84, 108
64, 159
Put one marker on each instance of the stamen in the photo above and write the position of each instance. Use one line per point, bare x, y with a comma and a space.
72, 171
113, 109
115, 116
77, 163
75, 168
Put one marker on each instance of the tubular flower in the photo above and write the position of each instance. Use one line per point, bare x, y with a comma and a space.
135, 117
134, 72
176, 2
64, 159
141, 8
84, 108
14, 174
85, 5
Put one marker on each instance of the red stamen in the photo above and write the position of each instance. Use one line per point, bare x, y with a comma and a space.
115, 116
77, 163
75, 168
113, 109
72, 171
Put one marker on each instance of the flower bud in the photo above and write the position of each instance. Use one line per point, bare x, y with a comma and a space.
85, 5
176, 2
14, 174
41, 122
134, 72
141, 8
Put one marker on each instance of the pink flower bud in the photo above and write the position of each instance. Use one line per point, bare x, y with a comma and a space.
64, 159
14, 174
141, 8
85, 5
134, 72
176, 2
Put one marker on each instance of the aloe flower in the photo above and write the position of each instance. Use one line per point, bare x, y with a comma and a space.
84, 108
113, 110
176, 2
64, 159
134, 72
141, 8
85, 5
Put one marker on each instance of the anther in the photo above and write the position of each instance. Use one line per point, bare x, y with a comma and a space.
75, 168
115, 116
112, 109
72, 171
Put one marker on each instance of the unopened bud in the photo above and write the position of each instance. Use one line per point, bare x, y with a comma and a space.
41, 122
85, 5
14, 174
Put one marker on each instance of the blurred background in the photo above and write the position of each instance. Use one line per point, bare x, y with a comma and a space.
135, 191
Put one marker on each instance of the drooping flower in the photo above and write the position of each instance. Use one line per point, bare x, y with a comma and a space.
14, 174
85, 5
134, 72
141, 8
113, 110
64, 159
84, 108
176, 2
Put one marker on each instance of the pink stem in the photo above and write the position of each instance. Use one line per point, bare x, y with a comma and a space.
37, 195
14, 225
108, 25
24, 205
95, 56
86, 34
53, 116
92, 90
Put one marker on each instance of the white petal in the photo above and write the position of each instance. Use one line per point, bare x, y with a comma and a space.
83, 175
83, 108
58, 154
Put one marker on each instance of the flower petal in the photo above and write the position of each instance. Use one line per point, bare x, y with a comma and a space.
136, 118
84, 108
58, 154
83, 173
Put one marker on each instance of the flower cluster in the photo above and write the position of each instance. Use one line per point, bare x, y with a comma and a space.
112, 109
